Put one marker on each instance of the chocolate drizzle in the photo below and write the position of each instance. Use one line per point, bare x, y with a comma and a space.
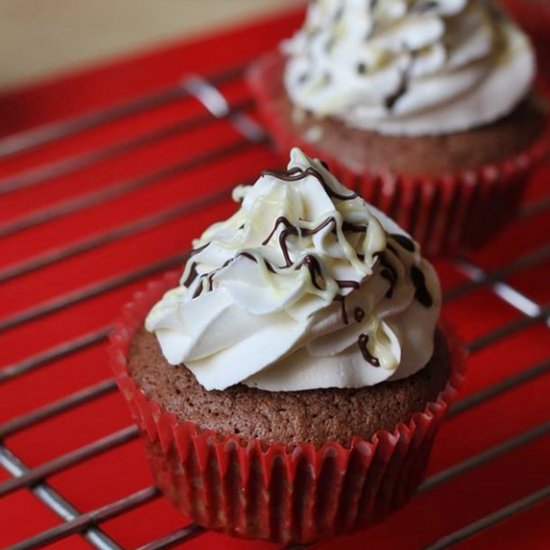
403, 87
322, 225
284, 247
208, 278
342, 301
353, 228
314, 267
403, 241
269, 267
389, 273
197, 250
392, 250
198, 290
297, 174
367, 355
252, 258
422, 294
291, 229
246, 255
211, 280
281, 220
392, 99
192, 275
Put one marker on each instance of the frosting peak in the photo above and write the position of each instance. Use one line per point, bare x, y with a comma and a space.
305, 286
409, 67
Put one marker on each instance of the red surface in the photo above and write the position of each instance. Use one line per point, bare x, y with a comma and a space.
121, 471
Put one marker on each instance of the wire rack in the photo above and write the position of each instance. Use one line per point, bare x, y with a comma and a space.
97, 204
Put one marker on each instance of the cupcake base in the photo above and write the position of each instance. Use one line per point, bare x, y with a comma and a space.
450, 192
312, 416
285, 492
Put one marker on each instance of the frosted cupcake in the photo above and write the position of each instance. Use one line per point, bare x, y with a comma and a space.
425, 106
290, 385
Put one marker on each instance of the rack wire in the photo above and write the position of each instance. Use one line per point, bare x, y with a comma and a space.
208, 90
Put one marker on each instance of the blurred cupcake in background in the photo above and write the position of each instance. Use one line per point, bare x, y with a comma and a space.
425, 107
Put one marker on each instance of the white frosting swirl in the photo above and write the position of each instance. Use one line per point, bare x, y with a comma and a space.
408, 67
305, 286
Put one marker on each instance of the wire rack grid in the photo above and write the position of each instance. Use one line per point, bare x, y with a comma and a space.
95, 205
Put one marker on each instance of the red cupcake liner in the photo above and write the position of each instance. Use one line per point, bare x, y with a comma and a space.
445, 213
283, 493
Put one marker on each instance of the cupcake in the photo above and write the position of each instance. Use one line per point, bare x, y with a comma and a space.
425, 107
289, 384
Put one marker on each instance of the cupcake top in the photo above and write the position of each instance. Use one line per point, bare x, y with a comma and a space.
408, 67
305, 286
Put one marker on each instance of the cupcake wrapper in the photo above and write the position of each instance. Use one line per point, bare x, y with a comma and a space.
445, 213
271, 491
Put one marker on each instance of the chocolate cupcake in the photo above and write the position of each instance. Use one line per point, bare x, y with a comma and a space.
290, 386
426, 107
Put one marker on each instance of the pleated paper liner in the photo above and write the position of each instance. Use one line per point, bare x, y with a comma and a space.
277, 492
444, 214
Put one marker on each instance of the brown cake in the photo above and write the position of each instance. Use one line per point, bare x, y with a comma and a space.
313, 416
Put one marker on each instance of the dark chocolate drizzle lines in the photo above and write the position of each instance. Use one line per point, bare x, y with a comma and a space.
367, 355
252, 258
353, 228
192, 275
197, 250
291, 229
392, 99
297, 174
422, 294
322, 225
403, 241
314, 267
208, 278
246, 255
393, 250
198, 290
281, 220
342, 301
284, 247
403, 87
312, 264
389, 273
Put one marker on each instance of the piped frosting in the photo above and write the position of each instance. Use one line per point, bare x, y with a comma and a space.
305, 286
408, 67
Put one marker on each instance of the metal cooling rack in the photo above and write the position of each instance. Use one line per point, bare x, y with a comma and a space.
208, 90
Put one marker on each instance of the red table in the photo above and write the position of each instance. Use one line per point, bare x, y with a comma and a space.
105, 177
